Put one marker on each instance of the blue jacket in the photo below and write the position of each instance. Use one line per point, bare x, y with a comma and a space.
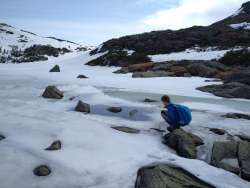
171, 115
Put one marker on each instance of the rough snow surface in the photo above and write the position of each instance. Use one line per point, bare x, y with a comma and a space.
190, 54
94, 155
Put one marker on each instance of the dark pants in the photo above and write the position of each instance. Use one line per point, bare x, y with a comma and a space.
172, 126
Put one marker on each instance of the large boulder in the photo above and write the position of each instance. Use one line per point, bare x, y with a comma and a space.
166, 176
224, 155
42, 170
183, 143
244, 159
52, 92
82, 107
241, 76
228, 90
142, 67
202, 70
56, 68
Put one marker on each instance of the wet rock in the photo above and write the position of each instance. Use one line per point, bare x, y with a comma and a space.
126, 129
56, 68
114, 109
42, 170
82, 107
2, 137
81, 76
218, 131
163, 176
228, 90
56, 145
237, 116
244, 159
223, 151
148, 100
53, 93
183, 143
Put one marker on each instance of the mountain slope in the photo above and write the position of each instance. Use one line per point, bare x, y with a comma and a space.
220, 34
14, 43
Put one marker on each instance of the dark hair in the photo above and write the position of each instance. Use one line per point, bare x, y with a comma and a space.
165, 98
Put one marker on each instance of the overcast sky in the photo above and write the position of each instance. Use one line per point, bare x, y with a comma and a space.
91, 22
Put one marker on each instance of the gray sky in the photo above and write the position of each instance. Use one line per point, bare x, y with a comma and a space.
92, 22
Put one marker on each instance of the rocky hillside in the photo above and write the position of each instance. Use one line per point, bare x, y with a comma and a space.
227, 33
18, 46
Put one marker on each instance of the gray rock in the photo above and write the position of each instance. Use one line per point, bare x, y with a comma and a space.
82, 107
218, 131
228, 90
114, 109
56, 145
42, 170
166, 176
202, 70
56, 68
183, 143
81, 76
244, 137
2, 137
53, 93
244, 159
126, 129
152, 74
237, 116
148, 100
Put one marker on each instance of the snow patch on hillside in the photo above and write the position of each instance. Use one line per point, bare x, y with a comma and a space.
243, 25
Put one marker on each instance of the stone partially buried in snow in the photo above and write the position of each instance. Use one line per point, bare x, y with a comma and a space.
114, 109
126, 129
218, 131
56, 145
2, 137
53, 93
82, 107
42, 170
148, 100
166, 176
237, 116
81, 76
56, 68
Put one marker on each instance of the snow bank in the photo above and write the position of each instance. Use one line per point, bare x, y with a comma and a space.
243, 25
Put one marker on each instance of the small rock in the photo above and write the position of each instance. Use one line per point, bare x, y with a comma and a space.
126, 129
2, 137
72, 98
56, 68
148, 100
167, 176
53, 93
114, 109
218, 131
237, 116
42, 170
56, 145
82, 107
81, 76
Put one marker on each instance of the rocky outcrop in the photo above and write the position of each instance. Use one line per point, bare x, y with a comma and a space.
228, 90
126, 129
142, 67
56, 145
164, 176
42, 170
82, 107
56, 68
114, 109
183, 143
232, 156
52, 92
151, 74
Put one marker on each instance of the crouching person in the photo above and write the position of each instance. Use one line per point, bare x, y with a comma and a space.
175, 115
